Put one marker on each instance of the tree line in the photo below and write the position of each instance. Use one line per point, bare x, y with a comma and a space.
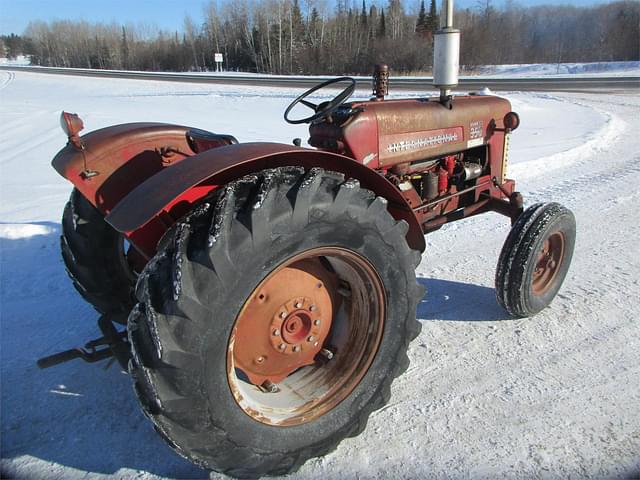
284, 37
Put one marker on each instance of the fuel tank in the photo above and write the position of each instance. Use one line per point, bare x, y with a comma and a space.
385, 133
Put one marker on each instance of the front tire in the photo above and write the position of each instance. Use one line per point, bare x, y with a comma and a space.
201, 362
535, 259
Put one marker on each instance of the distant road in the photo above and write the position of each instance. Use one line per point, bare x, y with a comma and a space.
539, 84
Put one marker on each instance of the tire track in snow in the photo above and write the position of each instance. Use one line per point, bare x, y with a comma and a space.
588, 183
597, 143
9, 77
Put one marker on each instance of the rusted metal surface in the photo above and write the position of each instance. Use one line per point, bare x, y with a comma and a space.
221, 165
284, 323
357, 321
72, 125
380, 81
548, 263
122, 157
415, 129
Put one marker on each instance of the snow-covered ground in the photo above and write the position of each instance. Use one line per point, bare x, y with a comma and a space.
594, 69
555, 396
535, 70
19, 61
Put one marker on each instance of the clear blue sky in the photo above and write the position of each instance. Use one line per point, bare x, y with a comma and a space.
166, 14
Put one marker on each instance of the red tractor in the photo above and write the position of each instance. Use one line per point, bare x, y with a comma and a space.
268, 290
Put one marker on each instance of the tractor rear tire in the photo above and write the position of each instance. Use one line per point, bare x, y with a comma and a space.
535, 259
223, 259
95, 258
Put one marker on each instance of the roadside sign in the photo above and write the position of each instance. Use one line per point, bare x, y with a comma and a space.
218, 59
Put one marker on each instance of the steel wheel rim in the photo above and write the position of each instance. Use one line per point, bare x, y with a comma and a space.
355, 314
548, 263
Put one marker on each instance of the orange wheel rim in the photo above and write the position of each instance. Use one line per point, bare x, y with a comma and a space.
306, 336
548, 263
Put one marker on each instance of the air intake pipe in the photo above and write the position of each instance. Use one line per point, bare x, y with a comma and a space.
446, 54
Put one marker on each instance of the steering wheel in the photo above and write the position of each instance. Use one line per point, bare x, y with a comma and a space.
324, 108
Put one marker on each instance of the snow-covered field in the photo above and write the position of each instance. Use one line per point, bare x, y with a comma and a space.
555, 396
593, 69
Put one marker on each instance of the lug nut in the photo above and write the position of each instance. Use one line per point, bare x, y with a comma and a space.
316, 322
276, 333
283, 314
298, 305
311, 339
296, 348
260, 359
326, 353
282, 346
312, 308
269, 387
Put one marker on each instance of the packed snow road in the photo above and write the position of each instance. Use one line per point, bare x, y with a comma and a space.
555, 396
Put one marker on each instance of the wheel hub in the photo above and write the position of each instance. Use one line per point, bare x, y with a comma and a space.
285, 322
306, 336
548, 262
298, 326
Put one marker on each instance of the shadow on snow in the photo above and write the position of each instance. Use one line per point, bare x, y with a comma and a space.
75, 414
457, 301
81, 415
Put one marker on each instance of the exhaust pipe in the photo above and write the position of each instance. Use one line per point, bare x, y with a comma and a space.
446, 54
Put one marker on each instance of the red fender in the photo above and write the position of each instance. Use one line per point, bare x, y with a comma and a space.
140, 214
116, 159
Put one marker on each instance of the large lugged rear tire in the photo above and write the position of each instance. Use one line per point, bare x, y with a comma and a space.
95, 257
206, 336
535, 259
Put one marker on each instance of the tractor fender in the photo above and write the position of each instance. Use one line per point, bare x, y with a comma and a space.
204, 171
116, 159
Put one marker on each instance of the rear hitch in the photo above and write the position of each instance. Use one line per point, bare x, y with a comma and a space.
113, 343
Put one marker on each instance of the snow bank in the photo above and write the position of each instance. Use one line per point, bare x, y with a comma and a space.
560, 69
20, 60
17, 231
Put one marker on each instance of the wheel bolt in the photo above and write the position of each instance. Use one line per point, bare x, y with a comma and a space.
328, 354
316, 322
276, 333
269, 387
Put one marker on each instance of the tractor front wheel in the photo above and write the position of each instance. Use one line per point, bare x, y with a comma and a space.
535, 259
273, 320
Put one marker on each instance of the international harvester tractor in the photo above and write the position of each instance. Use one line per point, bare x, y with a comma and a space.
268, 290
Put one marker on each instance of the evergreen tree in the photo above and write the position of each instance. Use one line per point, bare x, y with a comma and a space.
314, 25
382, 27
421, 23
297, 22
363, 15
432, 20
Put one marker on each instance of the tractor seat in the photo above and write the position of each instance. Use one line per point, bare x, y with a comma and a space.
201, 140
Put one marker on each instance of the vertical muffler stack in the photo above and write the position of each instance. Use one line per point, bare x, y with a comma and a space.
446, 53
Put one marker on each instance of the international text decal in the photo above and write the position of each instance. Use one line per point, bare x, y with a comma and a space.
425, 142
